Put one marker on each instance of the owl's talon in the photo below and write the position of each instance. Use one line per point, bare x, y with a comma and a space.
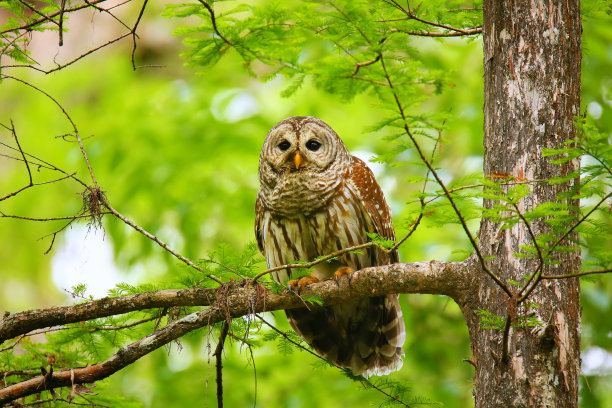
345, 270
301, 283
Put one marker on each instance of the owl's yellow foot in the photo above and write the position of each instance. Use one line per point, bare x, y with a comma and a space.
345, 270
300, 283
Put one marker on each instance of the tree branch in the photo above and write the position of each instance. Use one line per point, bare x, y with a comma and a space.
234, 300
19, 323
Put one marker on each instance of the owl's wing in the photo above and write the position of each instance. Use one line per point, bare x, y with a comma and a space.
259, 210
373, 200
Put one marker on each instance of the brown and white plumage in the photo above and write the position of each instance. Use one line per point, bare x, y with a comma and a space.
315, 198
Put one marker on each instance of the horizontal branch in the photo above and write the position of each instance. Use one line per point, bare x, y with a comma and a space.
233, 300
12, 325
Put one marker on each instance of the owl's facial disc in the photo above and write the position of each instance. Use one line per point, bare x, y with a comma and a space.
305, 150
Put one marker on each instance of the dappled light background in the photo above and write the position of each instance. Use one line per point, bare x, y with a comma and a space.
176, 150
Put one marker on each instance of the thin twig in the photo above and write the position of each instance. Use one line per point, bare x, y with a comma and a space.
456, 33
31, 183
530, 231
133, 32
577, 274
108, 11
69, 217
61, 22
219, 363
411, 16
60, 67
44, 164
364, 64
53, 235
213, 20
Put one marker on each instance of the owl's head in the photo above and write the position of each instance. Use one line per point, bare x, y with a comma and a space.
301, 147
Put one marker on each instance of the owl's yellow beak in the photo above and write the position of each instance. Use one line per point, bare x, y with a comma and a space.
297, 159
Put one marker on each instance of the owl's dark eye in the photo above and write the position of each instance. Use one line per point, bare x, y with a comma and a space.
313, 145
284, 145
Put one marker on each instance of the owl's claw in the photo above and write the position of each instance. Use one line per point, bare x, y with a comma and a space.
345, 270
300, 283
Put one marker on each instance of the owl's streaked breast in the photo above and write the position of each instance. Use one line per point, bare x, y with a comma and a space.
301, 236
299, 193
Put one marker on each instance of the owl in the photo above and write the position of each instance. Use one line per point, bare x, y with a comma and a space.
314, 199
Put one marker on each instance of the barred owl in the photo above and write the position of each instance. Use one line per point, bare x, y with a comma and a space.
315, 198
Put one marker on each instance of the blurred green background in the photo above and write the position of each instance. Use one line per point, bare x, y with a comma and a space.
176, 151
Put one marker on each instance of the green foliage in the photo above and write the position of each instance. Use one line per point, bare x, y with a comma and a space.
344, 48
490, 320
378, 240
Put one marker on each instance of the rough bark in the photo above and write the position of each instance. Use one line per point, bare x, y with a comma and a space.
532, 61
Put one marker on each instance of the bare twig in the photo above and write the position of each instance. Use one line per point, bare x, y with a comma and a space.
213, 20
219, 362
530, 231
61, 22
133, 32
63, 10
53, 235
25, 161
108, 11
40, 163
364, 64
69, 217
410, 15
455, 33
577, 274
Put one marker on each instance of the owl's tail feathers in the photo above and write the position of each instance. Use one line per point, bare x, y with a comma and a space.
381, 353
365, 336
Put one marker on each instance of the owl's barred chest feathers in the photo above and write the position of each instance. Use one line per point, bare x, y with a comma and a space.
302, 235
299, 194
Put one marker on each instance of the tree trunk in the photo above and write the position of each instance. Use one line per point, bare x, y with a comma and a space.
532, 55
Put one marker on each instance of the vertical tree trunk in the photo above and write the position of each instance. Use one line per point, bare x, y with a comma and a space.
532, 61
